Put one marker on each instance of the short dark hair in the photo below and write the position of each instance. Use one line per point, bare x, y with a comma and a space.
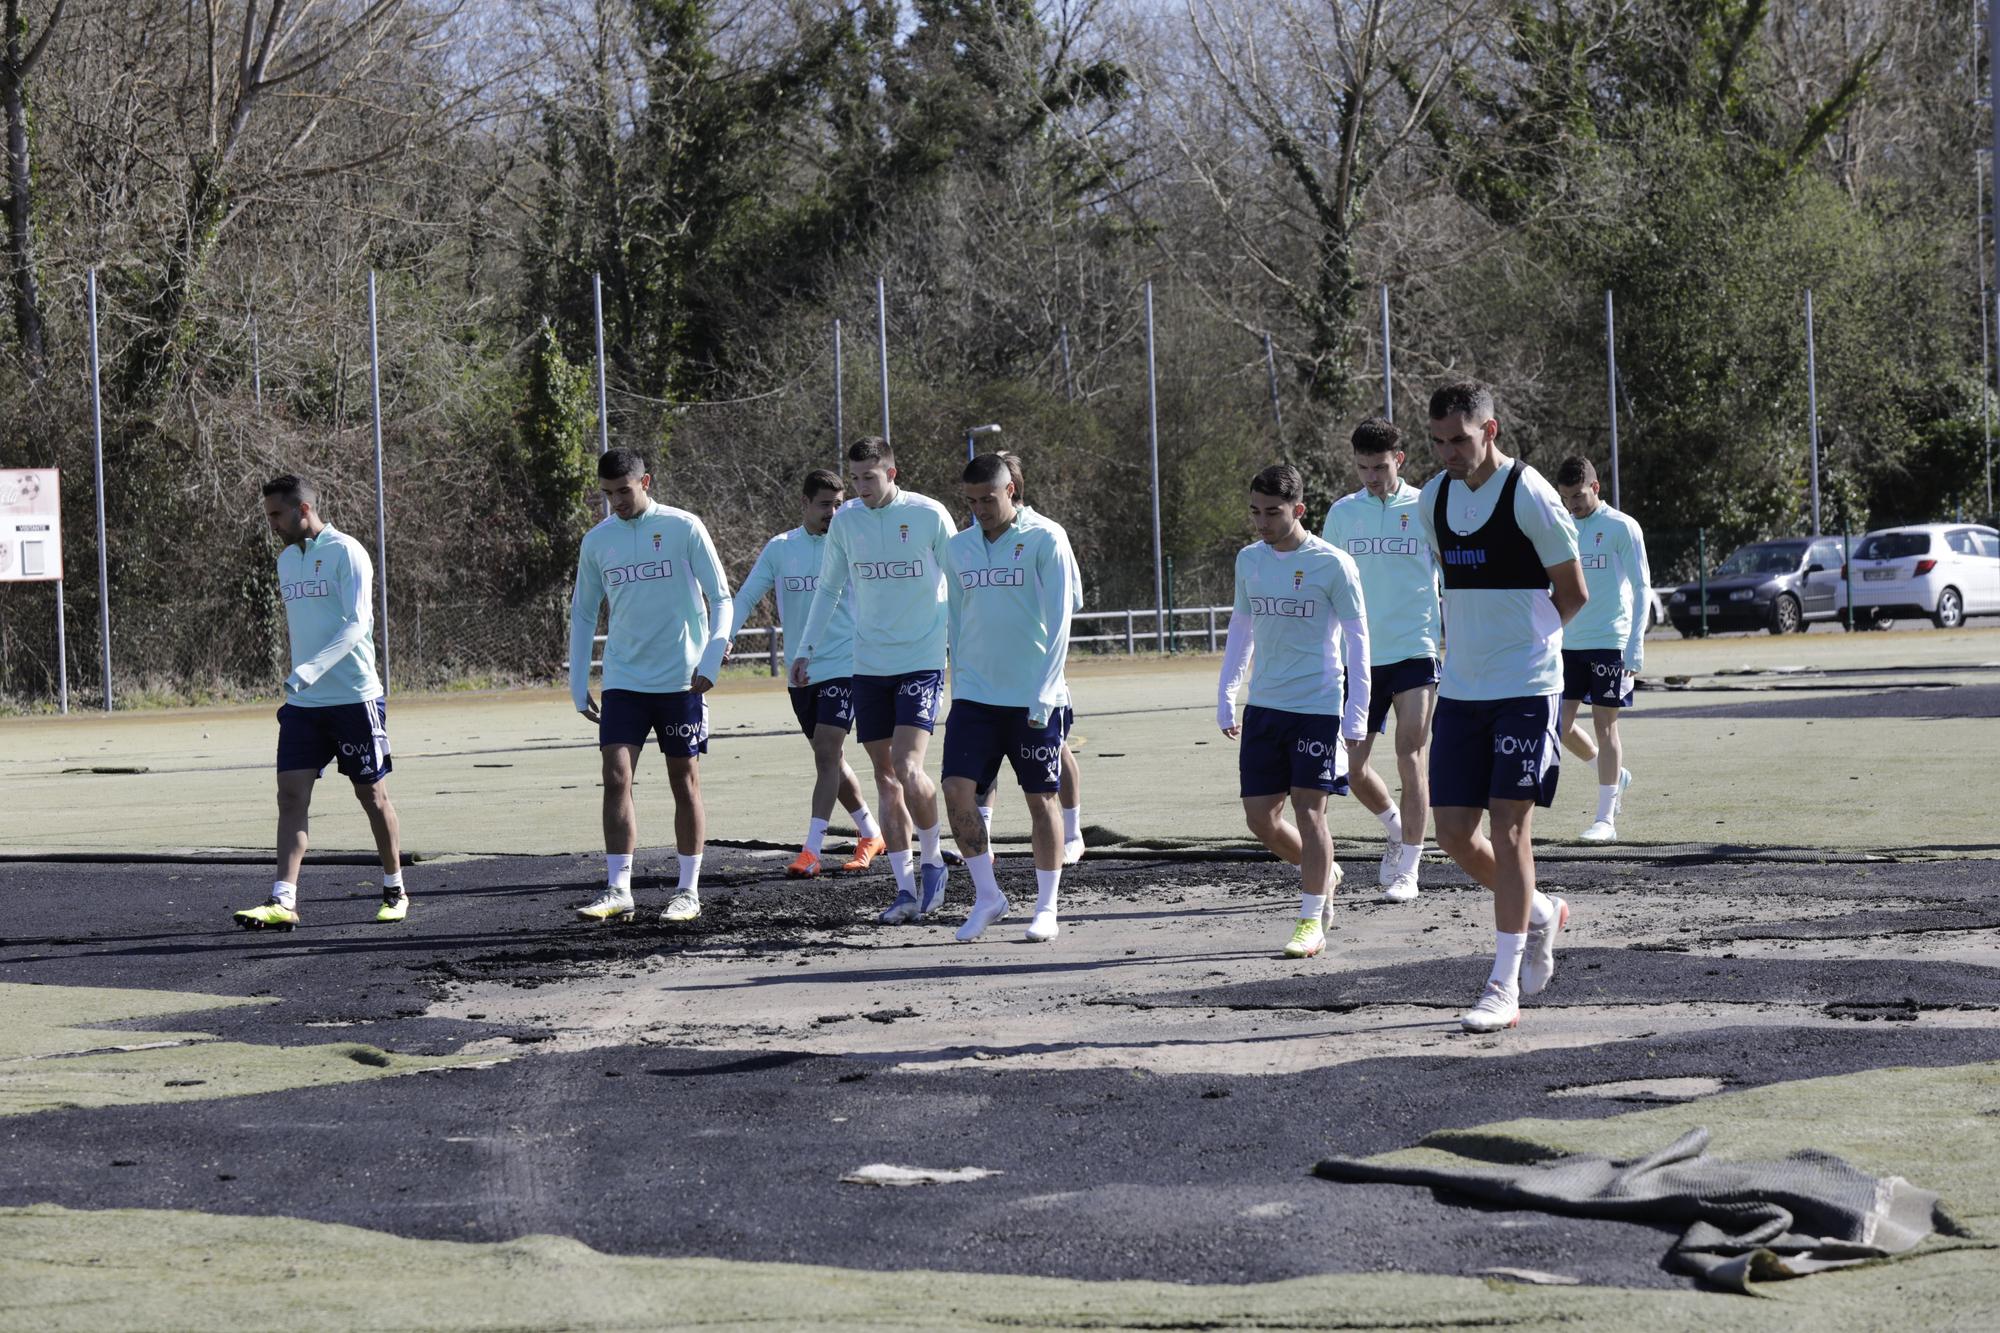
1576, 470
871, 449
1377, 435
822, 479
615, 463
293, 490
1281, 480
987, 469
1469, 398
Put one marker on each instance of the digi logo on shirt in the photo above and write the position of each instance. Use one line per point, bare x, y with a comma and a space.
1384, 546
801, 582
1282, 606
650, 569
889, 569
992, 578
291, 592
1596, 561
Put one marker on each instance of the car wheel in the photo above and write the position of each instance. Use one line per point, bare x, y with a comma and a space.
1950, 613
1785, 614
1691, 631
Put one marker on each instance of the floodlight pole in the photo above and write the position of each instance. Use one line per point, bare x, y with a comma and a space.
839, 405
1388, 363
882, 346
1153, 448
1812, 409
97, 455
1611, 390
603, 414
62, 653
381, 499
1271, 373
974, 433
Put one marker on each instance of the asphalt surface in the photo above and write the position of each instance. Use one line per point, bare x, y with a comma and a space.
1105, 1173
1809, 699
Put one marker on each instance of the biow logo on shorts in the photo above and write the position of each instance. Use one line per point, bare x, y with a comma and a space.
1293, 607
889, 569
992, 578
649, 569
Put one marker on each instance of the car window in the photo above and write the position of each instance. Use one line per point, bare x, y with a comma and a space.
1894, 546
1762, 559
1827, 554
1988, 543
1960, 540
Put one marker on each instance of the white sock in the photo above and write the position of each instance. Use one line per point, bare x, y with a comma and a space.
927, 840
1412, 851
986, 818
1073, 823
1392, 820
690, 881
285, 895
392, 880
864, 823
815, 835
618, 871
1507, 951
983, 878
1541, 909
1607, 802
1046, 883
899, 866
1311, 905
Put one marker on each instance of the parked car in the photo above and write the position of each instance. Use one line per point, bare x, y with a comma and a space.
1946, 571
1656, 608
1781, 585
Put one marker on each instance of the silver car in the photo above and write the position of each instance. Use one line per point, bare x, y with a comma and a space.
1944, 571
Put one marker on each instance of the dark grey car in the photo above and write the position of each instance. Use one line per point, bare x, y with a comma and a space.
1781, 586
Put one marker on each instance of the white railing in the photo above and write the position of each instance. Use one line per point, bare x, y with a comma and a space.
1137, 627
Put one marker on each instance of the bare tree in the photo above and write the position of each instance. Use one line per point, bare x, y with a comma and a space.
15, 67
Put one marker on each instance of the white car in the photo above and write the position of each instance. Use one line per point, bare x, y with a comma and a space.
1946, 571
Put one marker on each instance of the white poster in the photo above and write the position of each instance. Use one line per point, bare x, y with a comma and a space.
30, 525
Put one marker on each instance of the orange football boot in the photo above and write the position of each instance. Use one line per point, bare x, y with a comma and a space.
804, 866
865, 852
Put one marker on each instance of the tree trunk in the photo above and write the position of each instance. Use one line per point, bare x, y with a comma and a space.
20, 234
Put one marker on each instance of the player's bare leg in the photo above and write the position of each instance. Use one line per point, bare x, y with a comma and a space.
1574, 738
382, 822
280, 910
1612, 776
1069, 790
1266, 817
621, 836
690, 837
1319, 874
1525, 920
1412, 710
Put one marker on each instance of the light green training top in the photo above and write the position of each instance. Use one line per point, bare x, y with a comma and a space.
893, 559
1399, 575
789, 565
1295, 601
1612, 550
1011, 601
661, 576
330, 619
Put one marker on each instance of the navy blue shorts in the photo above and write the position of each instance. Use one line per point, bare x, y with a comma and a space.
1282, 750
1484, 750
1064, 718
631, 717
355, 736
1390, 679
978, 736
1597, 676
883, 703
824, 703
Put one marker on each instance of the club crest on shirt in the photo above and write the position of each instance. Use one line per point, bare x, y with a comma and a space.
1599, 539
656, 541
1018, 548
903, 529
316, 565
1298, 579
1404, 520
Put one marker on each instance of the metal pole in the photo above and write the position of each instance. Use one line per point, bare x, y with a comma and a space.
1989, 433
1069, 381
1993, 97
974, 432
1701, 559
1271, 370
882, 346
597, 315
1167, 621
839, 407
381, 501
1846, 564
62, 652
97, 453
1812, 409
1153, 447
256, 362
1985, 353
1611, 391
1388, 362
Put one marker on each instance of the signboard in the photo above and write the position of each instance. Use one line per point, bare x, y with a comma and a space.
30, 526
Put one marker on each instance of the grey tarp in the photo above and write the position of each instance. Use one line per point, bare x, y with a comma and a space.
1745, 1220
